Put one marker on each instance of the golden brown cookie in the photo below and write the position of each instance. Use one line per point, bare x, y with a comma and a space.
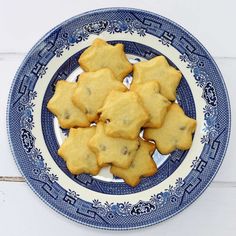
176, 131
78, 156
116, 151
158, 69
62, 107
93, 88
142, 165
155, 104
123, 114
103, 55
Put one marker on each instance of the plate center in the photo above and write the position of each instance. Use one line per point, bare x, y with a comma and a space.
105, 182
61, 134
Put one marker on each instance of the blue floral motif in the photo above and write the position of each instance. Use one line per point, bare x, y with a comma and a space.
191, 66
123, 208
195, 163
158, 199
173, 199
209, 94
210, 123
116, 27
53, 177
80, 35
96, 27
201, 77
195, 66
44, 176
205, 139
108, 205
59, 43
73, 194
96, 203
112, 27
32, 95
183, 57
27, 119
36, 171
179, 182
170, 190
142, 207
59, 52
192, 61
27, 140
36, 154
45, 168
110, 215
141, 32
130, 27
179, 191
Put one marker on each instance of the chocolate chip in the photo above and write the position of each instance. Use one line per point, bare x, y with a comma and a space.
124, 150
138, 147
102, 147
66, 115
87, 111
88, 91
132, 165
182, 127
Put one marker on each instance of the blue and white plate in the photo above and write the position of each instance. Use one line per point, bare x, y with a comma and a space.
104, 201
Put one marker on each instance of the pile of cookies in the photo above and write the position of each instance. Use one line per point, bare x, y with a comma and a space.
105, 118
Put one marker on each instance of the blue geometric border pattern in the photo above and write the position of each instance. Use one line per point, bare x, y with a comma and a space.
124, 215
88, 181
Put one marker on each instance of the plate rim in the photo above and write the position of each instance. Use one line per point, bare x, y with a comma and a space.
100, 10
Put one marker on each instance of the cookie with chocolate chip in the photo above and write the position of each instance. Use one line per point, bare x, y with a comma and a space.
92, 90
142, 166
155, 104
62, 107
158, 69
175, 133
76, 153
123, 114
104, 55
119, 152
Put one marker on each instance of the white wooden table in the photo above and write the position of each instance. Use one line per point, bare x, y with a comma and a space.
23, 22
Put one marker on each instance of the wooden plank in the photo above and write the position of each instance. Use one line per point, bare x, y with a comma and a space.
21, 29
12, 179
22, 213
9, 65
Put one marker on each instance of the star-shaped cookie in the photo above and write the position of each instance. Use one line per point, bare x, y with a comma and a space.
103, 55
142, 165
75, 151
93, 88
158, 69
62, 107
155, 104
176, 131
119, 152
123, 114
